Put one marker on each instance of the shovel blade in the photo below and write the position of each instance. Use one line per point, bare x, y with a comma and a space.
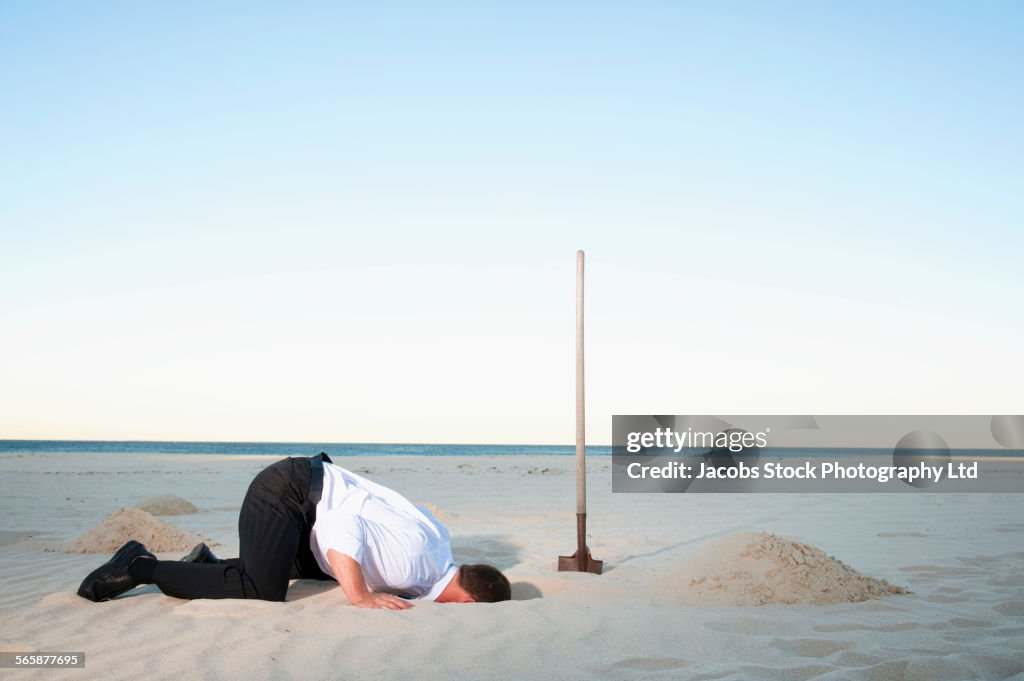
578, 563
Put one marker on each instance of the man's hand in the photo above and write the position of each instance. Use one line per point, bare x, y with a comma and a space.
350, 577
379, 601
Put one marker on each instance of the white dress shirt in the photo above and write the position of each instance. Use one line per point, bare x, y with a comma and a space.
402, 549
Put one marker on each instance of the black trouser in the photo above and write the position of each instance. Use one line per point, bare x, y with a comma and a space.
273, 541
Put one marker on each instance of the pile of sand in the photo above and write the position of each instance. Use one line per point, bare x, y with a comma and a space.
167, 504
759, 568
133, 523
442, 517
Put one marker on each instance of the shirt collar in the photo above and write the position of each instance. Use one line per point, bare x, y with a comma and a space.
441, 585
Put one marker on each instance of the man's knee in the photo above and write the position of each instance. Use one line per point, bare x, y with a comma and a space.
273, 594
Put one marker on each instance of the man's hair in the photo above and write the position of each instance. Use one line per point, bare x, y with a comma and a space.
485, 583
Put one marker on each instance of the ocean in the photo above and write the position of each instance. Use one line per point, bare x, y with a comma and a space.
397, 449
284, 449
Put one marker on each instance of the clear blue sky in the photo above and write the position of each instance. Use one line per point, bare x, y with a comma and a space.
305, 221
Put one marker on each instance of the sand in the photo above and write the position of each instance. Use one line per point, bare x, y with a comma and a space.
133, 523
749, 569
167, 504
958, 555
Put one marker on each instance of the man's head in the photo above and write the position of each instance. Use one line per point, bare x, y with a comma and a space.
477, 583
484, 583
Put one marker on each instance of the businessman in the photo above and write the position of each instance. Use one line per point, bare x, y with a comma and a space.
308, 518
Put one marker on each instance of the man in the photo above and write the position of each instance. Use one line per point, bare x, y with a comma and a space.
308, 518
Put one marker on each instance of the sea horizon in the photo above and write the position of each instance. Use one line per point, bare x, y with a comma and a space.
343, 449
9, 446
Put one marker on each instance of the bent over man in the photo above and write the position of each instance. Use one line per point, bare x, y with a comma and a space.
308, 518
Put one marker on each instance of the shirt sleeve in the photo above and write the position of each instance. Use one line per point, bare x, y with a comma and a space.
342, 532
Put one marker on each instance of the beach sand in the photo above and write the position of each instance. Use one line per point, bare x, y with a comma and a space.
958, 555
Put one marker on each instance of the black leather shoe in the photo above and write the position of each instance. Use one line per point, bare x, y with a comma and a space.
200, 553
113, 578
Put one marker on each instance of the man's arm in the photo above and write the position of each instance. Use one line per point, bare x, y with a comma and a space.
350, 576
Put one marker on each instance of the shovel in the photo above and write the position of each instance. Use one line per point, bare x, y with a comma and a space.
581, 560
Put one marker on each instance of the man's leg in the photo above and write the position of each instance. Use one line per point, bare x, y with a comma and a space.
271, 527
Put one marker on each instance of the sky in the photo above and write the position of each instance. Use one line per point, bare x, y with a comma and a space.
358, 222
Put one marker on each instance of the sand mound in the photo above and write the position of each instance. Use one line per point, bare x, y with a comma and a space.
754, 569
442, 517
133, 523
167, 504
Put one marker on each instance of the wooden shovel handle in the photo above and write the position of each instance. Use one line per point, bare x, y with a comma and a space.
581, 466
